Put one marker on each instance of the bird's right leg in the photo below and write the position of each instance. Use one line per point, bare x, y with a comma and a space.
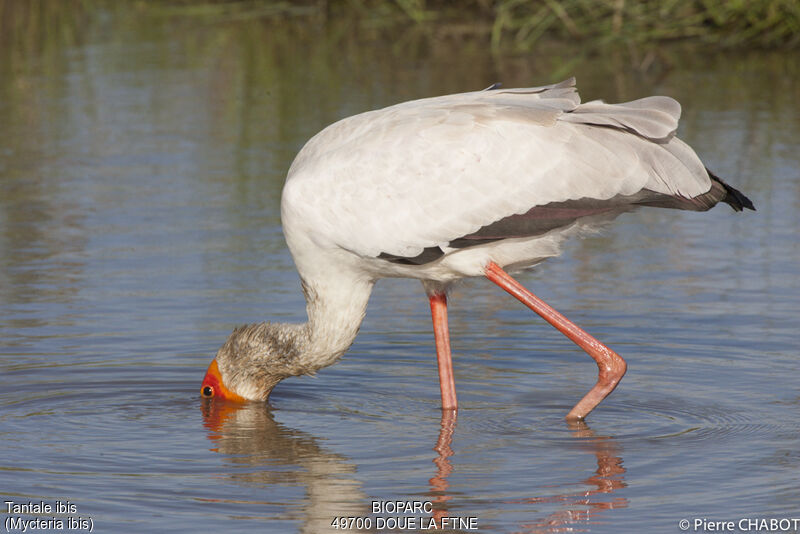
441, 332
610, 364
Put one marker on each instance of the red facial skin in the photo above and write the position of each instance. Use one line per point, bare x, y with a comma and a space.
217, 389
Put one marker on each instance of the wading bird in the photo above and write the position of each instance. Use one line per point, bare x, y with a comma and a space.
472, 184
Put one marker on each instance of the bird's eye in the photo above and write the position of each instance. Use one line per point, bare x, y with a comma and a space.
208, 391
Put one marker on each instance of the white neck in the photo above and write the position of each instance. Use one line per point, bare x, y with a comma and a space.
336, 306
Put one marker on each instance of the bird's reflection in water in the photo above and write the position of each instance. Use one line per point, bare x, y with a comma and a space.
583, 507
579, 507
251, 439
258, 448
443, 467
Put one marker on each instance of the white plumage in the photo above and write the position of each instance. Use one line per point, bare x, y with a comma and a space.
423, 173
460, 185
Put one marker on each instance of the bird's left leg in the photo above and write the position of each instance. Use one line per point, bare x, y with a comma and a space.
612, 366
441, 332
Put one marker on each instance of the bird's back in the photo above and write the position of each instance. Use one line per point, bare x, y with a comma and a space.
401, 180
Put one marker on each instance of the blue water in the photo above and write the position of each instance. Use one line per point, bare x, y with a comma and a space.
141, 168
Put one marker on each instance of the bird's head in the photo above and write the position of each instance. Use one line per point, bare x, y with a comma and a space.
250, 363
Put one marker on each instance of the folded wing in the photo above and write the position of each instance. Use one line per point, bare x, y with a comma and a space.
433, 173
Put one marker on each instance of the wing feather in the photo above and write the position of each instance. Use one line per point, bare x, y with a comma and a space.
418, 175
655, 117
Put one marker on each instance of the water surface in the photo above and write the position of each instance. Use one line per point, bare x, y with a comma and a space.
141, 160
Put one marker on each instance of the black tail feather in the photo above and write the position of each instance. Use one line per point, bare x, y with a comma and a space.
733, 197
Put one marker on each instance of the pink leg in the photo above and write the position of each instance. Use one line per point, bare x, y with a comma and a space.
442, 335
612, 366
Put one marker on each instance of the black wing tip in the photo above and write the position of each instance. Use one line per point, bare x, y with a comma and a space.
733, 197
